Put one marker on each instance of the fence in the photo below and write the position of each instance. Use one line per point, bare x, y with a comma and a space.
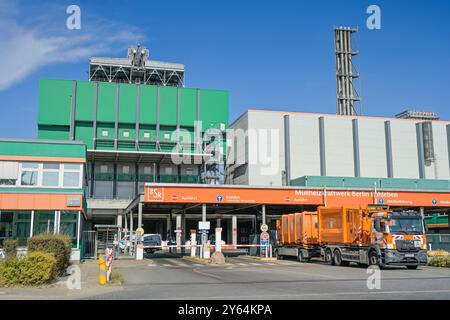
438, 241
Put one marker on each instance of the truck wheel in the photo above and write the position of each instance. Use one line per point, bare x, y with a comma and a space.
373, 258
338, 258
279, 257
412, 267
329, 257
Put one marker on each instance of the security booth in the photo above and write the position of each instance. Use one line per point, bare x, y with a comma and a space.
42, 190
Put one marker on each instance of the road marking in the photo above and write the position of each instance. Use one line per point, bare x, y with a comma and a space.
241, 264
151, 265
198, 264
255, 264
168, 265
271, 264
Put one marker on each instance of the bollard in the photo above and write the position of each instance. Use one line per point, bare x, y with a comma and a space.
102, 266
193, 243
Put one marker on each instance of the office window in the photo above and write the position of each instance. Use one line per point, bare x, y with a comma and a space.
71, 179
146, 134
105, 133
126, 134
44, 222
147, 170
9, 173
29, 178
50, 174
125, 169
68, 225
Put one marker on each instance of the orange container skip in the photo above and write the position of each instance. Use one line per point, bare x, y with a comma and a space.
291, 228
306, 228
284, 229
341, 225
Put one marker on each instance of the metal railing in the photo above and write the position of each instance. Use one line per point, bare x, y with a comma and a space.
438, 241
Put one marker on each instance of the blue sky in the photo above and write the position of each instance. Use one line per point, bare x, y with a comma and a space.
267, 54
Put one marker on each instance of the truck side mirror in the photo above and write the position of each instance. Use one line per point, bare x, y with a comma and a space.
377, 225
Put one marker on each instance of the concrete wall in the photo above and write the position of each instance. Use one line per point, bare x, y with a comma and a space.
266, 148
372, 148
304, 145
339, 147
405, 157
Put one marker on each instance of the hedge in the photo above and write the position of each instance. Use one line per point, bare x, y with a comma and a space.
36, 269
59, 245
443, 262
10, 247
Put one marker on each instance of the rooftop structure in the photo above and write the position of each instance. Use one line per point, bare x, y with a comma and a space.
136, 68
417, 114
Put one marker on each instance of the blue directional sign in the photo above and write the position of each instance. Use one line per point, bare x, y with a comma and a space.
219, 198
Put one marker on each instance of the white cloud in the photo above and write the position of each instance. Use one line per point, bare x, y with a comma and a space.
24, 48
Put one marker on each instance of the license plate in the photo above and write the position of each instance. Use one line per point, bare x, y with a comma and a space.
409, 255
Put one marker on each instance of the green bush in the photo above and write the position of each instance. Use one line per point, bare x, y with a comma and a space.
35, 269
443, 262
59, 245
10, 247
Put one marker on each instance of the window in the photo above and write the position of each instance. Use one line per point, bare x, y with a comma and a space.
166, 136
125, 169
8, 182
72, 175
105, 133
44, 222
6, 225
71, 179
168, 170
104, 168
29, 178
29, 174
126, 134
147, 170
8, 173
50, 174
146, 134
68, 225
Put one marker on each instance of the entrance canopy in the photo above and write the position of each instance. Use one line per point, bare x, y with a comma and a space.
287, 196
169, 197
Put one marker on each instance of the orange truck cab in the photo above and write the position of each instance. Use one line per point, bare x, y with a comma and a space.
373, 235
369, 236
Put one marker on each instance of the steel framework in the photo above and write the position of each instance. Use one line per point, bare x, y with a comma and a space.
136, 68
347, 93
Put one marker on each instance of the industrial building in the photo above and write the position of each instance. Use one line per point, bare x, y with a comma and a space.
42, 187
162, 156
325, 145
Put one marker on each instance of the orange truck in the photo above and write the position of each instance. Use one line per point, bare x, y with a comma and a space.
368, 236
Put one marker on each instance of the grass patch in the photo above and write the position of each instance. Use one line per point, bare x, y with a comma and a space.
116, 277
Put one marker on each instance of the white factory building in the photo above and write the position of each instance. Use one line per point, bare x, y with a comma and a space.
283, 146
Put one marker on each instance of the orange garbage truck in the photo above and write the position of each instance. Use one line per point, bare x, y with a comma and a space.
298, 236
369, 236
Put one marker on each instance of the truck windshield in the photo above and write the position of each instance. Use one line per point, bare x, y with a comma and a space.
406, 225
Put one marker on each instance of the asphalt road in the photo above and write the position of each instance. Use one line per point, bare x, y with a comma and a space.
246, 278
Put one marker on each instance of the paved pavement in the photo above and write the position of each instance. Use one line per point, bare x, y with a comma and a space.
246, 278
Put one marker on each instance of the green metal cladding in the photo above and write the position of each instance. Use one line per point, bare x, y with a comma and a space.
102, 112
42, 149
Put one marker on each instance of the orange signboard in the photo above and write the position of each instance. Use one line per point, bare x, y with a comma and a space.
38, 201
286, 196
